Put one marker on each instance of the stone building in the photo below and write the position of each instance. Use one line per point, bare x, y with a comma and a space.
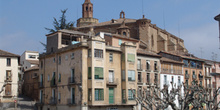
155, 38
9, 69
31, 83
79, 71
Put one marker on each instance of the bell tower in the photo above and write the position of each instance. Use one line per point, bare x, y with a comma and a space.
87, 15
87, 9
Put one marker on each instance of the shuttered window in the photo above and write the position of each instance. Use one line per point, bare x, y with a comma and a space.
98, 73
99, 94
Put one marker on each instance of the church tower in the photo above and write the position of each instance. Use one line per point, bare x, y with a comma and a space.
87, 15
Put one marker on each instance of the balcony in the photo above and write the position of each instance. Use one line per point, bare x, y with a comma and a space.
40, 85
40, 102
140, 81
73, 81
209, 86
207, 75
8, 79
139, 67
156, 68
53, 101
186, 76
112, 81
194, 77
156, 82
71, 101
53, 83
200, 76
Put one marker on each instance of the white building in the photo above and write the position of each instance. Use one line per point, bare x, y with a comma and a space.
9, 70
29, 59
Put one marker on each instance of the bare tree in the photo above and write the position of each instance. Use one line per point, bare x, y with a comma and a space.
195, 96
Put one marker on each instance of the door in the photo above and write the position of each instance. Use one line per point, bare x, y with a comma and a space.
8, 90
111, 76
111, 95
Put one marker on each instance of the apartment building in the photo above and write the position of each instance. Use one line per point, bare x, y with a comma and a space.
79, 71
9, 68
31, 83
215, 74
208, 78
171, 73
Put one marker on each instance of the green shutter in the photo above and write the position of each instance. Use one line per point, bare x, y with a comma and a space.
111, 95
89, 73
102, 94
131, 57
98, 73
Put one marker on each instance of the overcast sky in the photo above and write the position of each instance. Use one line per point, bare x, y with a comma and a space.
22, 22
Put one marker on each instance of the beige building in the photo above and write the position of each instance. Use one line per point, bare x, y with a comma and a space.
9, 68
79, 71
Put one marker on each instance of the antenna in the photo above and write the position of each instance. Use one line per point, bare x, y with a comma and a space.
164, 21
142, 7
201, 51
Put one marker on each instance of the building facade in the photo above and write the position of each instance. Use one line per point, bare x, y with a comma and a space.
87, 74
9, 69
31, 83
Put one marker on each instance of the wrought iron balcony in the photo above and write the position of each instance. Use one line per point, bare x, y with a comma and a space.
8, 79
53, 83
194, 76
140, 81
112, 81
200, 76
186, 76
71, 101
73, 81
53, 101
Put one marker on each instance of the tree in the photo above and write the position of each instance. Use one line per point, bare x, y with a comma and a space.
61, 24
195, 96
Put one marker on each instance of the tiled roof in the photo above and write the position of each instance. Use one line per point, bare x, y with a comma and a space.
163, 59
33, 61
140, 51
32, 68
7, 54
117, 21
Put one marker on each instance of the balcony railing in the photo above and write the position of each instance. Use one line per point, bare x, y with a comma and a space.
139, 67
73, 80
156, 68
194, 76
112, 81
53, 83
186, 76
8, 79
8, 94
200, 76
40, 84
140, 81
53, 101
171, 71
71, 101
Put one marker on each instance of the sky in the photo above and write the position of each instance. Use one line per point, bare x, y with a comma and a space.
23, 22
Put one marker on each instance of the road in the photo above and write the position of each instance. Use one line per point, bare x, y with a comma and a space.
23, 103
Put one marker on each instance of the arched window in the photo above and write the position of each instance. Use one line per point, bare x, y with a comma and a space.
124, 33
86, 8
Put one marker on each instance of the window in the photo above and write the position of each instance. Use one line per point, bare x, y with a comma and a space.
48, 77
165, 80
41, 96
131, 57
155, 78
32, 56
72, 56
187, 83
59, 78
186, 64
59, 95
155, 66
99, 94
119, 42
72, 76
89, 53
98, 73
130, 94
139, 64
131, 75
98, 53
148, 65
89, 94
148, 78
192, 64
139, 76
194, 75
54, 60
89, 73
172, 79
123, 96
124, 33
66, 57
8, 75
8, 61
41, 64
73, 96
179, 81
110, 57
59, 59
199, 65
